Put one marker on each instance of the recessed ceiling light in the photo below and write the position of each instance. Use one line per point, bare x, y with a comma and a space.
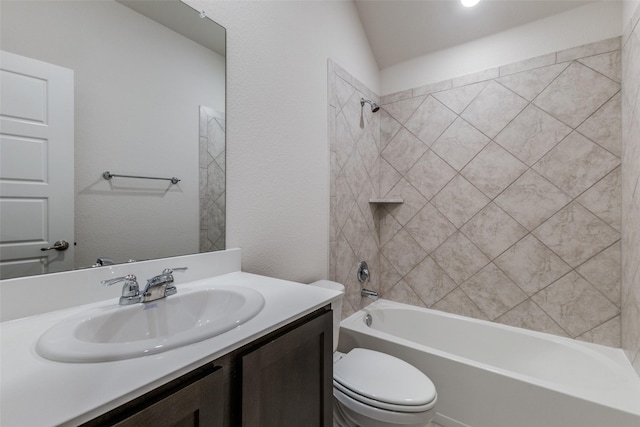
469, 3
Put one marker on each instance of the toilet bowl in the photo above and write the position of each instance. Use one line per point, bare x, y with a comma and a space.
374, 389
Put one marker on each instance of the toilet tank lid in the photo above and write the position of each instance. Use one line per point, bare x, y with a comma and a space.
384, 378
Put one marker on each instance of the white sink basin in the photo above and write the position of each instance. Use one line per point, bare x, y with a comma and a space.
123, 332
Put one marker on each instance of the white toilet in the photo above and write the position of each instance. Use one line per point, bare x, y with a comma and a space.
374, 389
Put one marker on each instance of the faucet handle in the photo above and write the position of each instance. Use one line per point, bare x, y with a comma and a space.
128, 277
130, 289
171, 288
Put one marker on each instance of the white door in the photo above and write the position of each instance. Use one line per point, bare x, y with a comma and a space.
36, 166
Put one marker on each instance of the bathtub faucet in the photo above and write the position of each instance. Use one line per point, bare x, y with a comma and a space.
369, 294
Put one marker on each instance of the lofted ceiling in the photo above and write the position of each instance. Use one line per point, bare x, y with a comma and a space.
399, 30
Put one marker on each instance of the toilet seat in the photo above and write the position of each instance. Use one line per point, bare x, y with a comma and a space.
383, 381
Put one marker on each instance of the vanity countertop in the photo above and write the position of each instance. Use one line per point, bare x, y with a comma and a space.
38, 392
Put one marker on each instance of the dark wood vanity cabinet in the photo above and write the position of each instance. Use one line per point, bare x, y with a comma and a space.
280, 380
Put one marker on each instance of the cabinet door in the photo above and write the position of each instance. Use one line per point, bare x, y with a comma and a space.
287, 382
198, 403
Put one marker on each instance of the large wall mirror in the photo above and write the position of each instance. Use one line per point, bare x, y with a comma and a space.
134, 88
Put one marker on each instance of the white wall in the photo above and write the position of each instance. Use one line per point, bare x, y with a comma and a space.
277, 153
576, 27
134, 128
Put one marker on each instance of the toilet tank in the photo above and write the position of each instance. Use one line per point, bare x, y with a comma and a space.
336, 306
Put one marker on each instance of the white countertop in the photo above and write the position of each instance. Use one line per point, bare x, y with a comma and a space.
38, 392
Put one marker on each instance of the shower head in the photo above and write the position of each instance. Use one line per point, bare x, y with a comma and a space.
374, 107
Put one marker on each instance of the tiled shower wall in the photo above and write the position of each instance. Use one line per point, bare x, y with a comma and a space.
631, 191
354, 142
212, 180
511, 188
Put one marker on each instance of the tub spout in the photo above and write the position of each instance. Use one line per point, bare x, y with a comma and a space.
369, 294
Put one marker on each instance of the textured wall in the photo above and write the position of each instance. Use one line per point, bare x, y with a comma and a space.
511, 186
630, 190
212, 179
277, 157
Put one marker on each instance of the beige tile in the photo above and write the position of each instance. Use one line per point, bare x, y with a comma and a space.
459, 258
528, 64
355, 116
344, 201
590, 49
357, 176
403, 151
345, 144
355, 229
493, 231
388, 176
604, 127
531, 265
389, 275
529, 84
575, 234
402, 110
368, 152
529, 316
576, 94
576, 164
431, 88
575, 305
605, 199
387, 225
344, 91
459, 143
459, 201
532, 134
430, 174
430, 119
430, 282
492, 291
476, 77
459, 98
395, 97
331, 128
604, 272
457, 302
389, 127
412, 202
333, 253
430, 228
608, 64
493, 170
532, 199
331, 83
607, 334
403, 252
346, 264
493, 109
403, 293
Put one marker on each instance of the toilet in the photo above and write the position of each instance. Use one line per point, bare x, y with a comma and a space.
374, 389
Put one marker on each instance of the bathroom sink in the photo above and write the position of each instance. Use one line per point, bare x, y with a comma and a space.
122, 332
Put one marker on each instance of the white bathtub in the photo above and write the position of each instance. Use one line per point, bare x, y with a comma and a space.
492, 375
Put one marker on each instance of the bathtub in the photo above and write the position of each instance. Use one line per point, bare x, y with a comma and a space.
491, 375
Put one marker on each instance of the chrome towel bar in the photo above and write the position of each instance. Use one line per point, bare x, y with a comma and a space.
108, 175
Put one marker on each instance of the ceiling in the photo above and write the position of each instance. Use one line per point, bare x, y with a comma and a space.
399, 30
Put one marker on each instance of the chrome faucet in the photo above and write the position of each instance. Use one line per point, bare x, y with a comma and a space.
160, 286
102, 261
130, 289
369, 294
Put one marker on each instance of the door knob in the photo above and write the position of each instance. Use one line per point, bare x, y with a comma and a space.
60, 245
